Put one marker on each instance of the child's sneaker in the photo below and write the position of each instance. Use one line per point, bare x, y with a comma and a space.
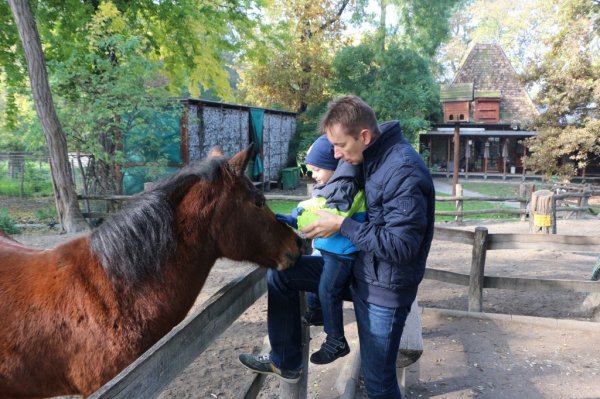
331, 349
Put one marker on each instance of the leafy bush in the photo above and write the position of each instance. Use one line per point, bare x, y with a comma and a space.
6, 223
46, 215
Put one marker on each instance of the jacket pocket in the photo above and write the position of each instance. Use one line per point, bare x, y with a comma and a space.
369, 269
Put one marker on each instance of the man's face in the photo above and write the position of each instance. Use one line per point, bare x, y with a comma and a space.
346, 147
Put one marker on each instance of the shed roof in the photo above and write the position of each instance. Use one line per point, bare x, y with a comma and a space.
456, 92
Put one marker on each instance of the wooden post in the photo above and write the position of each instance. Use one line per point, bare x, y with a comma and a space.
525, 191
411, 347
299, 390
553, 215
542, 212
477, 269
448, 157
456, 156
459, 203
583, 203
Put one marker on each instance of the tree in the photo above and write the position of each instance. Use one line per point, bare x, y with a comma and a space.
294, 67
112, 60
569, 129
521, 28
396, 83
105, 99
64, 190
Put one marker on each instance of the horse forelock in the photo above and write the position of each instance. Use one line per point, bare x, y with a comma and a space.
135, 243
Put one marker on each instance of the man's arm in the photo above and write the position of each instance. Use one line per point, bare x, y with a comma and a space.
398, 239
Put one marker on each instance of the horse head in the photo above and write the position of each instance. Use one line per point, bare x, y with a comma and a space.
241, 224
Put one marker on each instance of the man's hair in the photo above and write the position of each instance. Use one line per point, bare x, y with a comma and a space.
352, 113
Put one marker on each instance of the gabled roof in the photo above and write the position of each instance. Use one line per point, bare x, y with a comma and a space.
488, 68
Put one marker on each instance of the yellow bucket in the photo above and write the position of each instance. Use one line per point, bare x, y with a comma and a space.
542, 220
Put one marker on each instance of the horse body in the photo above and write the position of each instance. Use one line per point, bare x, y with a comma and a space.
72, 317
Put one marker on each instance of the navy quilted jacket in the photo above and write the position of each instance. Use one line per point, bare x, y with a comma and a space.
395, 240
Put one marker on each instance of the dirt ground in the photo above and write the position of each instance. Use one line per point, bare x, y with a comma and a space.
463, 357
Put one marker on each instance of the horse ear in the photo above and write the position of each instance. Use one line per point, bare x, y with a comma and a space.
239, 161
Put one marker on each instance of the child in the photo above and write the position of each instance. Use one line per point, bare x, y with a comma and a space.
337, 190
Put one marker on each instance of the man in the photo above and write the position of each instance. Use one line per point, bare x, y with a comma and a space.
394, 243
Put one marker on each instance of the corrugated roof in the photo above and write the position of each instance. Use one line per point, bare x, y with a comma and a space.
456, 92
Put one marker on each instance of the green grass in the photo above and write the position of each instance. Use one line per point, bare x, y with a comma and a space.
471, 206
279, 206
286, 207
493, 189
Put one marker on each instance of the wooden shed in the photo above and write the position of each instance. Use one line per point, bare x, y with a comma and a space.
202, 124
492, 110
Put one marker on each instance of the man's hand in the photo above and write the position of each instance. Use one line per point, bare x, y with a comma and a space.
328, 224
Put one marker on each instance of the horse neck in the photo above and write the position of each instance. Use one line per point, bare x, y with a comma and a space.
168, 298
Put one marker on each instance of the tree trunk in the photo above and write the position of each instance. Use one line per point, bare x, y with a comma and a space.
64, 191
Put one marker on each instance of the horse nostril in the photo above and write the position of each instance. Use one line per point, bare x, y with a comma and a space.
299, 242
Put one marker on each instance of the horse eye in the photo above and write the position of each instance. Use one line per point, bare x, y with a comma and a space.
260, 201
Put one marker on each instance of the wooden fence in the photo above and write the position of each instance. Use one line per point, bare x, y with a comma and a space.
482, 242
153, 371
558, 204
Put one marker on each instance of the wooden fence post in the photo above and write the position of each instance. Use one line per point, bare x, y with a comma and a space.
583, 203
553, 215
525, 191
299, 390
411, 349
477, 269
459, 203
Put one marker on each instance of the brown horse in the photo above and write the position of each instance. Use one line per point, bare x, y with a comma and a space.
72, 317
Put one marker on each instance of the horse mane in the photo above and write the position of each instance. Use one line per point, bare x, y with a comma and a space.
135, 243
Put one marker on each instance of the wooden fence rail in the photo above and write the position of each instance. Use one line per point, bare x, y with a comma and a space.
152, 372
459, 213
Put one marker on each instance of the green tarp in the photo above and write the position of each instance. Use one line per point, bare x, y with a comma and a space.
256, 128
149, 147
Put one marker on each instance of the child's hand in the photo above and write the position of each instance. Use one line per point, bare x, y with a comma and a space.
287, 219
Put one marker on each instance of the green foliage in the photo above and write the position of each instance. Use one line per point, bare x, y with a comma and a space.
189, 38
396, 83
46, 215
521, 28
307, 131
569, 129
292, 67
7, 225
424, 24
36, 181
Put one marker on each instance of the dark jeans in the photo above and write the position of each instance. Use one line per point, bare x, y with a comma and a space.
379, 328
335, 279
379, 332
